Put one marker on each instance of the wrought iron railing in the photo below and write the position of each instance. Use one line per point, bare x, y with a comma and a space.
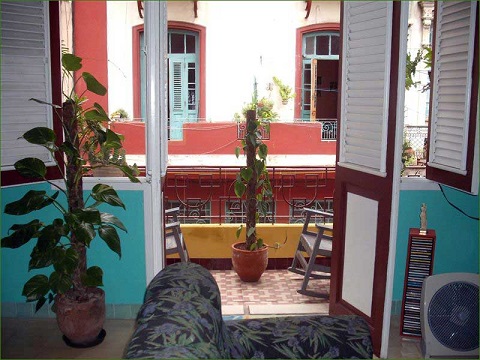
205, 195
417, 137
329, 130
242, 128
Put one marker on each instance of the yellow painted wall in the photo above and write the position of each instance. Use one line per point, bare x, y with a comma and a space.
214, 241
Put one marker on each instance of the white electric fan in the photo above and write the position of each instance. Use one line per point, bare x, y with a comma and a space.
449, 316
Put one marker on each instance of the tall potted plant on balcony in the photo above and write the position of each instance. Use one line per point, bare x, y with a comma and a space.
250, 258
61, 245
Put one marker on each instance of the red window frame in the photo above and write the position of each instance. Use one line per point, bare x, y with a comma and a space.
298, 58
179, 25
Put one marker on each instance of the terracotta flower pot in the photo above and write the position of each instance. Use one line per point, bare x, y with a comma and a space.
81, 321
249, 265
107, 171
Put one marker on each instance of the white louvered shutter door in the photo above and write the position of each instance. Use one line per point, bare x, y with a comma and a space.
365, 80
25, 71
451, 85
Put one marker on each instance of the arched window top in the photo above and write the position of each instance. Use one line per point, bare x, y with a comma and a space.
321, 45
182, 42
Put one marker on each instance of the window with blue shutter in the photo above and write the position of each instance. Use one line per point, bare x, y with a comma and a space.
183, 53
320, 45
183, 81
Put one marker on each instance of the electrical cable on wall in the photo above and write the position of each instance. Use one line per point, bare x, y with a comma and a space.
455, 206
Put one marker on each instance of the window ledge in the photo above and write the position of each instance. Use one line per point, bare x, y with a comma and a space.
417, 183
118, 183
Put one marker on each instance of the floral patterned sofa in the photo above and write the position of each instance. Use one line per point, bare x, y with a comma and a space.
181, 317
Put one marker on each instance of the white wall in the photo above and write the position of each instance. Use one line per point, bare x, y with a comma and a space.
244, 39
121, 17
415, 99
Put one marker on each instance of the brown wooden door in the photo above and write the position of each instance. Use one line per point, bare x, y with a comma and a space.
365, 151
327, 77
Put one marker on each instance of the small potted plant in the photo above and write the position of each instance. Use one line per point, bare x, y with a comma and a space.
285, 91
61, 245
263, 109
104, 150
119, 115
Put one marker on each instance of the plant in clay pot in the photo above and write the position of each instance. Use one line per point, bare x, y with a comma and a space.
61, 245
105, 153
263, 109
119, 115
103, 148
253, 183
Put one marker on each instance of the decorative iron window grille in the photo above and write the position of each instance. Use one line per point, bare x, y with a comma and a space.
235, 210
329, 130
242, 127
297, 214
193, 211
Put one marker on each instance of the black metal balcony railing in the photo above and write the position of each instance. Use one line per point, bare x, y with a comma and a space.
205, 195
329, 130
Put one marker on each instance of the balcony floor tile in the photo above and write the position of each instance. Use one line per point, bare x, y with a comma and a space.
276, 288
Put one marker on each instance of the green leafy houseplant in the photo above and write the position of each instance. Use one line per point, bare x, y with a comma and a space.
263, 108
102, 146
425, 55
252, 180
60, 246
105, 148
285, 91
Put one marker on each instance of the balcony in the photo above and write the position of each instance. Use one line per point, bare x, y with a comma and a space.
210, 212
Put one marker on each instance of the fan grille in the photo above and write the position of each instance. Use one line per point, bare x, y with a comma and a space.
453, 316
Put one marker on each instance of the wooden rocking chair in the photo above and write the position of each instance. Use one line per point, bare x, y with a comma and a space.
174, 242
311, 245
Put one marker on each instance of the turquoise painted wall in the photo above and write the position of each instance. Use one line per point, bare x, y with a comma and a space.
124, 279
456, 248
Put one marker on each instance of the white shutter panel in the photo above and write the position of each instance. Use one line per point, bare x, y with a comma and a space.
454, 46
367, 35
25, 74
177, 102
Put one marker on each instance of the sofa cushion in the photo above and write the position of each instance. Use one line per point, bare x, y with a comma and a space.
189, 276
300, 337
180, 317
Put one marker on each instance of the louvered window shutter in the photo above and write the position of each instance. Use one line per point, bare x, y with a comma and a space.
25, 74
177, 103
365, 85
451, 87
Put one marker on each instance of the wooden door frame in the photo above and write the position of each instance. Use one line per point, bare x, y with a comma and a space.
387, 202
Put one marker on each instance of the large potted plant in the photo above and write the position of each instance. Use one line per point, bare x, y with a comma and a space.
61, 245
250, 257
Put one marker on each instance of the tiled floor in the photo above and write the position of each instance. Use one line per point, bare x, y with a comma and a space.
402, 347
40, 338
276, 288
